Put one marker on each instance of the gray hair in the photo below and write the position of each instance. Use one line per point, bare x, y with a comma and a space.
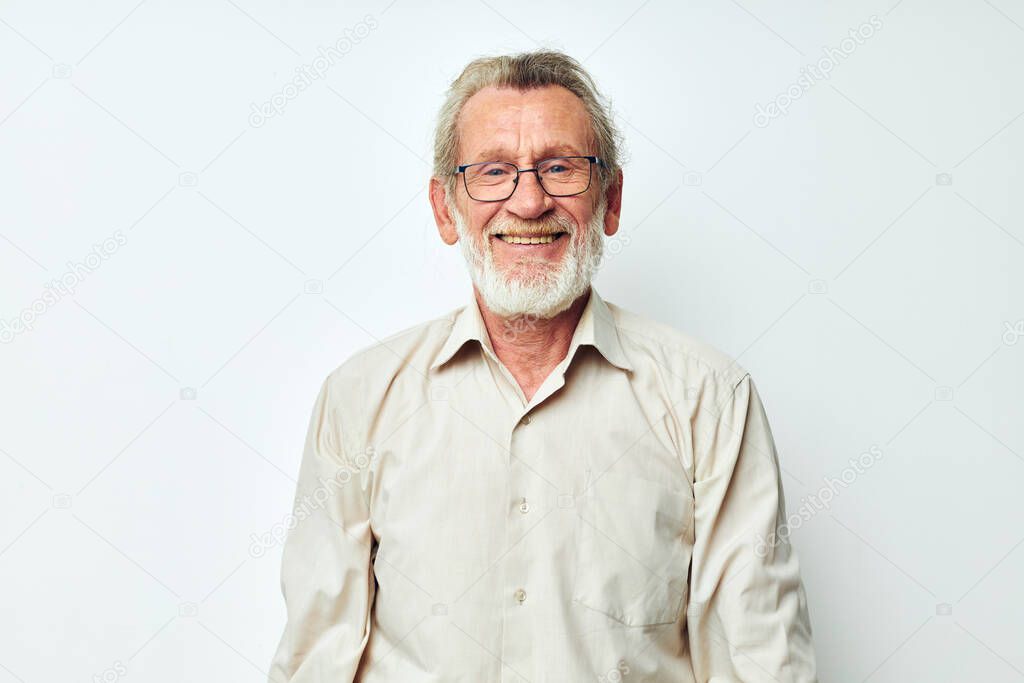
526, 71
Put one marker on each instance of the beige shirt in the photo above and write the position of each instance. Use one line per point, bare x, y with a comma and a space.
616, 527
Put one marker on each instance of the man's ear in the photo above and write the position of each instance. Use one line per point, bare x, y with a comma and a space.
613, 195
445, 221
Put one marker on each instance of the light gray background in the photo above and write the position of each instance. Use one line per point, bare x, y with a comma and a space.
874, 302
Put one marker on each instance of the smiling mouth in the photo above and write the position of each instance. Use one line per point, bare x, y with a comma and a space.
531, 239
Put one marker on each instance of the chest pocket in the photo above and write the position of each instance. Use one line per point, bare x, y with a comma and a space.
634, 542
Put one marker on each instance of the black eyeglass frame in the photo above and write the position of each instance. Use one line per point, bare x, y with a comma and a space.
515, 183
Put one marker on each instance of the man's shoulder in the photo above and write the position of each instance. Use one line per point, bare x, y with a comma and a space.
410, 350
675, 351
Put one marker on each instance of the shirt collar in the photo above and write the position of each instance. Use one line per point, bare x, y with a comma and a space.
596, 328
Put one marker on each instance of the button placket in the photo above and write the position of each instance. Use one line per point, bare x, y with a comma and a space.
518, 562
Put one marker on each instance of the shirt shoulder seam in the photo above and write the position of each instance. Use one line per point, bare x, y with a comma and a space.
733, 379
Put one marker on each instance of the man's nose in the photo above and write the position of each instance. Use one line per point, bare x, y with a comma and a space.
529, 200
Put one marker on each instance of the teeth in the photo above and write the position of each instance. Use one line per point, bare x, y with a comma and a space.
524, 239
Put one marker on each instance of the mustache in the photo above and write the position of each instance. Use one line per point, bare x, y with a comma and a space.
550, 226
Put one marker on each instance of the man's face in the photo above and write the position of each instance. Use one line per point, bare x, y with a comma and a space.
532, 253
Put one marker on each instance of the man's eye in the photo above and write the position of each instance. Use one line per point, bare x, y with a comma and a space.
557, 168
495, 171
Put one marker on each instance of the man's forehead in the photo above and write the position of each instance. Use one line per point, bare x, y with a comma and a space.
548, 121
499, 152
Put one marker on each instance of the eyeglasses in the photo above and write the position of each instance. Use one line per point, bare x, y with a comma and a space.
495, 181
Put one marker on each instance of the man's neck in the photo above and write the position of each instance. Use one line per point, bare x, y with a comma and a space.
531, 347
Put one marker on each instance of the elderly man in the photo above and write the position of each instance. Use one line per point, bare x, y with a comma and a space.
539, 486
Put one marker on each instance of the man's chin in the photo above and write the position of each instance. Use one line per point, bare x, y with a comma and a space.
525, 297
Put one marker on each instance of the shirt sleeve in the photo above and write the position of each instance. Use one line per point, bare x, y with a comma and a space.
747, 619
326, 575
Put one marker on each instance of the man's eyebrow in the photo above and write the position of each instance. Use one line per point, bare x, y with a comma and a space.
500, 154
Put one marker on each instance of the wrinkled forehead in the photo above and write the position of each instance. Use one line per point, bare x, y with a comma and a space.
507, 124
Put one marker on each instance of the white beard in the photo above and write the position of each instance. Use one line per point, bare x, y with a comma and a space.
531, 287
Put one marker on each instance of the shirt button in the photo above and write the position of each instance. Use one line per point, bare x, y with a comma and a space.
520, 596
525, 420
524, 507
